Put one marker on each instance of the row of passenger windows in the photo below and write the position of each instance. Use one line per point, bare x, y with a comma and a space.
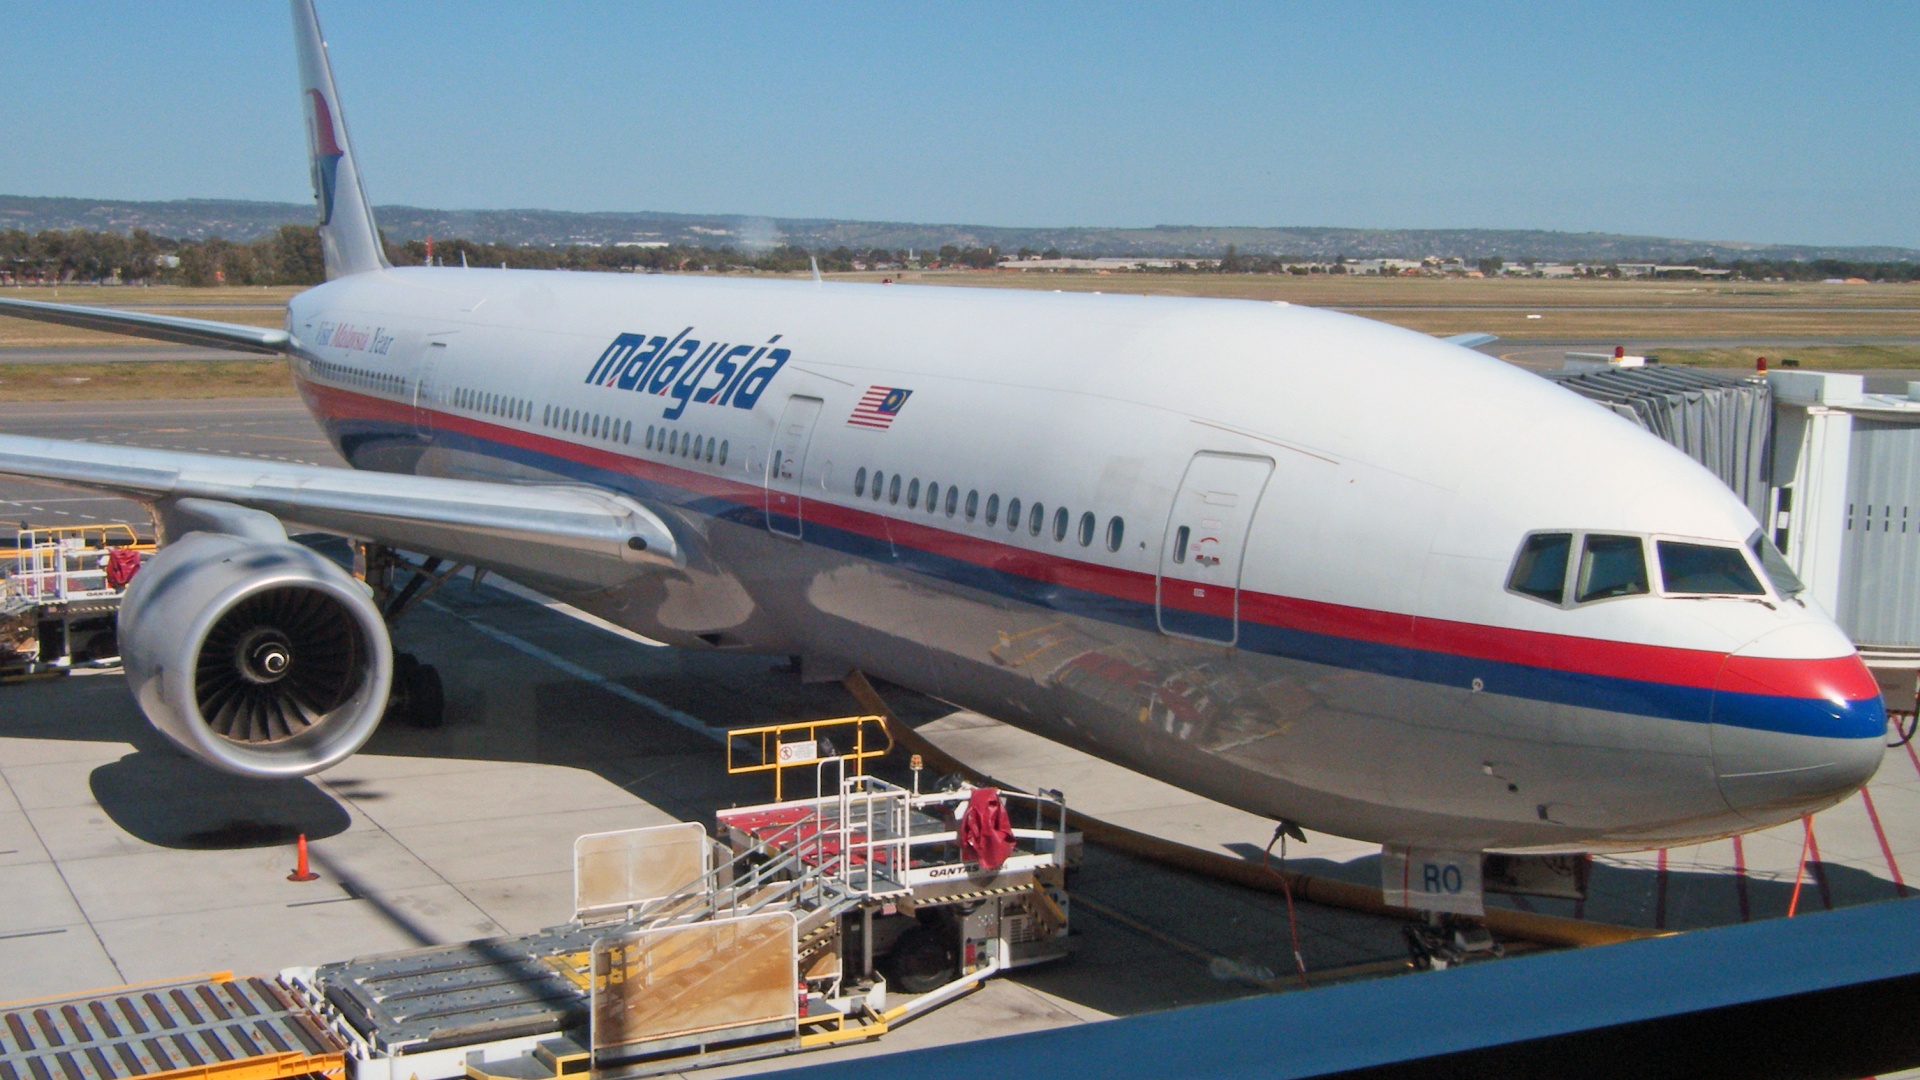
366, 380
1614, 565
480, 401
1033, 515
590, 424
671, 441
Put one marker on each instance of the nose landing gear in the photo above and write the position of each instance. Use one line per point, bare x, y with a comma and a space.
1439, 941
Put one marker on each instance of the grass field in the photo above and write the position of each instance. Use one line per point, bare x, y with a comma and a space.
266, 377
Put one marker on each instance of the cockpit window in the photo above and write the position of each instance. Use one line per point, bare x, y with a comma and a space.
1611, 566
1785, 581
1706, 569
1541, 569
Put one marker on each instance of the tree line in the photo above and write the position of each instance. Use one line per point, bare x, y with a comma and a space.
291, 256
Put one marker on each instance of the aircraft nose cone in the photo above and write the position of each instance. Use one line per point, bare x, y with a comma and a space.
1795, 732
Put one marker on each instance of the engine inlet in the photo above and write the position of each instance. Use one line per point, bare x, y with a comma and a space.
278, 663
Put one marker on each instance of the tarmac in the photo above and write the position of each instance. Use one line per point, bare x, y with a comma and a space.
122, 861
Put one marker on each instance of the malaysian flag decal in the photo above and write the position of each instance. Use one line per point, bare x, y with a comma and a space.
878, 406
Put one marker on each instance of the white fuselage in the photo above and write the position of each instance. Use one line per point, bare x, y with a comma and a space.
1270, 563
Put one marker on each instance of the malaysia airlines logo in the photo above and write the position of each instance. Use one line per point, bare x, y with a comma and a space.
689, 371
325, 144
877, 407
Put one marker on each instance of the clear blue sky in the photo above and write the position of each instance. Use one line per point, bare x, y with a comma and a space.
1775, 123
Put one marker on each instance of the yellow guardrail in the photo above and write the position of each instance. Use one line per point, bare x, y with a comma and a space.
777, 749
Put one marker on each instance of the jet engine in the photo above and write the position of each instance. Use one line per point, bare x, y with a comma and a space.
262, 659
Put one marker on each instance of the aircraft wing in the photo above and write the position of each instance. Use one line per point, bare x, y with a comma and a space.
1471, 341
562, 534
216, 335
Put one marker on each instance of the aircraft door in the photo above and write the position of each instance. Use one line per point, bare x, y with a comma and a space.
1200, 556
432, 355
787, 465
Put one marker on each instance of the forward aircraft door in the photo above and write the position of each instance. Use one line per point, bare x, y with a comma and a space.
1199, 587
787, 466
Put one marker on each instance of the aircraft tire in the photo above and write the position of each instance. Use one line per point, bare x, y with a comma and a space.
427, 697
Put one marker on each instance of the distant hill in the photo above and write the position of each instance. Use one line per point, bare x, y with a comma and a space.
197, 219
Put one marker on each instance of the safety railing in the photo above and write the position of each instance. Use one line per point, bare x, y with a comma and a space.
780, 747
67, 562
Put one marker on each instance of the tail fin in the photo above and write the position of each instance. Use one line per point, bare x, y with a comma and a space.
347, 235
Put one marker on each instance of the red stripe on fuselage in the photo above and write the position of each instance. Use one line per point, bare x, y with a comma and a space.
1843, 677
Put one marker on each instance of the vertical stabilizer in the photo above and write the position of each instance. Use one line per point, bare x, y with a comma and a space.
347, 234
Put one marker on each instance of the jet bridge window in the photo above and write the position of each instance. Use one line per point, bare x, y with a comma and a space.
1541, 569
1611, 566
1706, 569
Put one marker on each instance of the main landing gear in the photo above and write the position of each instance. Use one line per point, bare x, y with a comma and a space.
418, 698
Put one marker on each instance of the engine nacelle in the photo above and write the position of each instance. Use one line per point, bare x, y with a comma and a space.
262, 659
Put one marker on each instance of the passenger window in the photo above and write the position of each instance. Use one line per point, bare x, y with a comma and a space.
1035, 518
893, 490
993, 510
709, 457
1180, 536
626, 436
953, 500
973, 505
878, 476
1611, 566
913, 494
649, 436
860, 482
1706, 569
673, 447
1060, 524
1013, 515
1116, 531
933, 498
1541, 569
1086, 529
723, 453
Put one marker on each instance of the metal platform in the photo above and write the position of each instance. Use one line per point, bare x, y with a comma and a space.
245, 1029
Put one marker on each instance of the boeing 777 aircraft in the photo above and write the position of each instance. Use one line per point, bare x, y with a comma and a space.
1323, 569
